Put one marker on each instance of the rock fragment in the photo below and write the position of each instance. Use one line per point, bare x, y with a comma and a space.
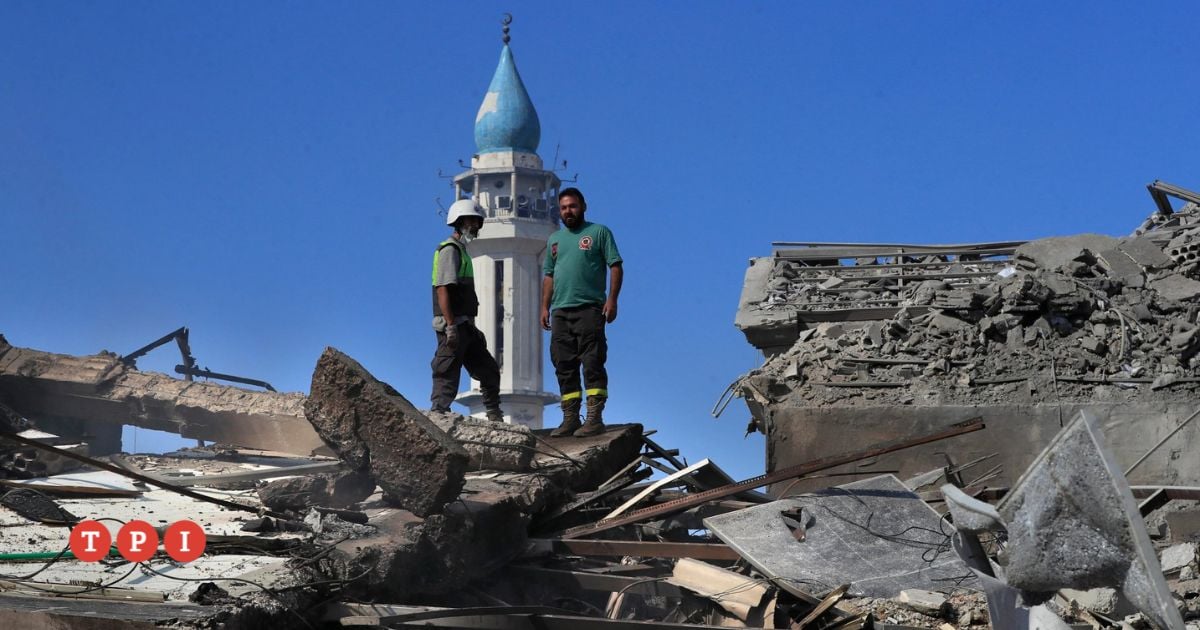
376, 430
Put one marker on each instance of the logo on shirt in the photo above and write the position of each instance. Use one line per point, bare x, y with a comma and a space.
554, 250
585, 243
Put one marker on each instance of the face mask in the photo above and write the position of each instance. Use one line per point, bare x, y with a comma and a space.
466, 236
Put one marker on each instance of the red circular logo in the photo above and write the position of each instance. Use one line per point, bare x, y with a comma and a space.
90, 541
184, 541
585, 243
137, 541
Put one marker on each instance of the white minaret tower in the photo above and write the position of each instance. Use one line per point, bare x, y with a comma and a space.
520, 201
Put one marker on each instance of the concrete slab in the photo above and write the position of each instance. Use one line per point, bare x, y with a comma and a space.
1122, 268
1073, 523
1057, 252
375, 429
1176, 287
1144, 252
99, 390
875, 535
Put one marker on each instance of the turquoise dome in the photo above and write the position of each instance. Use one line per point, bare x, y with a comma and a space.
506, 120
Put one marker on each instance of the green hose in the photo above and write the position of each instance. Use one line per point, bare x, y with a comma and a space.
42, 555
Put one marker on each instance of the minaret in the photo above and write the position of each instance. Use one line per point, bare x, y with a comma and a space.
520, 201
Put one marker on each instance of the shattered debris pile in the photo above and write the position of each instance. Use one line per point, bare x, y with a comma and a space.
453, 521
350, 507
1072, 313
878, 338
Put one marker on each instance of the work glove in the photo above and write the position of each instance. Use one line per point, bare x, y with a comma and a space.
452, 337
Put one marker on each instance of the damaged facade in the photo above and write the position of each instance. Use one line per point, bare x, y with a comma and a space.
872, 340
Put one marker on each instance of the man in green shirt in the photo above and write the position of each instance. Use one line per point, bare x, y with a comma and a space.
575, 311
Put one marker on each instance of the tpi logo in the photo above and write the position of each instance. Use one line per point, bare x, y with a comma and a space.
137, 541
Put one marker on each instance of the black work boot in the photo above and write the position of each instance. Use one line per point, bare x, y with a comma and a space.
595, 421
495, 415
570, 409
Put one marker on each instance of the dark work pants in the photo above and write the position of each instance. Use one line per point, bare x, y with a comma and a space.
471, 353
577, 339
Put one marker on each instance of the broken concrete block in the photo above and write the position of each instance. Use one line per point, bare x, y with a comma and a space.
832, 282
1144, 252
1102, 600
300, 493
1073, 523
1095, 346
374, 429
924, 602
293, 493
1176, 287
1053, 253
1178, 556
408, 557
1141, 312
1184, 526
830, 330
1121, 268
490, 445
946, 324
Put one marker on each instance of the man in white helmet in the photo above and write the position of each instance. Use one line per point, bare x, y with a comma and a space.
455, 305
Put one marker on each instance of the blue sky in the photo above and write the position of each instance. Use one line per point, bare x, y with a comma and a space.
266, 173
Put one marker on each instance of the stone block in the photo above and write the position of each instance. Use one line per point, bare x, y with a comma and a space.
374, 429
924, 602
1178, 556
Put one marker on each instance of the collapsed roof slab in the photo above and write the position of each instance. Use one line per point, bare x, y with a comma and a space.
850, 537
100, 388
26, 611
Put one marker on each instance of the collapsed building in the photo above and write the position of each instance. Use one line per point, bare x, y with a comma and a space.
951, 431
893, 339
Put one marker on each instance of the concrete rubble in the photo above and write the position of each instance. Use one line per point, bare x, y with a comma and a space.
1022, 334
1018, 388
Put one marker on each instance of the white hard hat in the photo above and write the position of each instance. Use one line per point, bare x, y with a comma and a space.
462, 208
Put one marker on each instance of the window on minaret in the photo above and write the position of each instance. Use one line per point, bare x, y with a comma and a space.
498, 298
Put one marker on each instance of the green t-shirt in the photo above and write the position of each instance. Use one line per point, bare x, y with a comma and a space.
579, 260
